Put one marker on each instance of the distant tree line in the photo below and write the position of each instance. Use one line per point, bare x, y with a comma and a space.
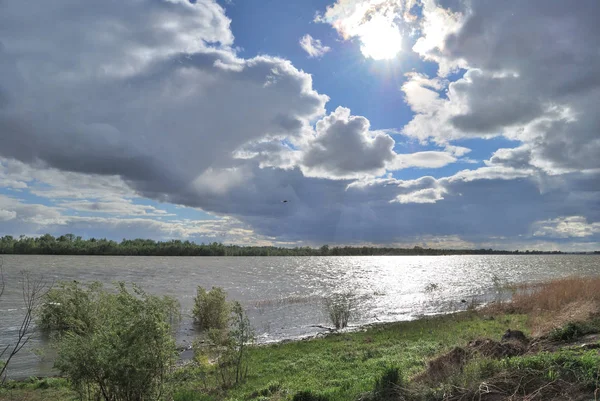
70, 244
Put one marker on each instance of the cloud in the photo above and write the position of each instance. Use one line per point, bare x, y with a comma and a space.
313, 47
6, 215
23, 214
372, 21
152, 104
52, 183
566, 227
427, 159
344, 147
121, 207
103, 105
529, 76
19, 217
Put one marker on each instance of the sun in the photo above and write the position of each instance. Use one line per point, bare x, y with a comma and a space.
380, 39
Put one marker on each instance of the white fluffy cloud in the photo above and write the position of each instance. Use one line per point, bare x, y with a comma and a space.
566, 227
344, 147
313, 47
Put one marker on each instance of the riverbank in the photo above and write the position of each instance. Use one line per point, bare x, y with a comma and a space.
339, 365
449, 357
430, 354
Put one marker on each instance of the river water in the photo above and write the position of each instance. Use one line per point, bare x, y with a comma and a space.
284, 295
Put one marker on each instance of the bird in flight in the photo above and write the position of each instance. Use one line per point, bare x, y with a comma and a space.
284, 201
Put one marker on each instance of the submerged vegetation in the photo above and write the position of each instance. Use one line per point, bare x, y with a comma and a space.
542, 345
70, 244
211, 309
339, 307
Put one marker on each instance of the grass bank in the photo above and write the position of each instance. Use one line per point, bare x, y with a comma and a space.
453, 357
339, 366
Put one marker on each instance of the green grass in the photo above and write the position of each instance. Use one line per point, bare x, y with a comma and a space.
35, 389
343, 366
339, 367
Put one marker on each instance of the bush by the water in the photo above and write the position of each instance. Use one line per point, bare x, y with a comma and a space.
69, 306
72, 306
125, 351
211, 309
228, 349
339, 308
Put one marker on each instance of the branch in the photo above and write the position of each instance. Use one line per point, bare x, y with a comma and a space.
2, 284
318, 326
33, 293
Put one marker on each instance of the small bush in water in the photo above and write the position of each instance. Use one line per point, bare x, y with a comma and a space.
69, 306
339, 308
211, 309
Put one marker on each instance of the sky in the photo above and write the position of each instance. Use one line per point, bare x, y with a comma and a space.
437, 123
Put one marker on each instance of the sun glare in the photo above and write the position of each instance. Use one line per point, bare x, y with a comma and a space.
380, 39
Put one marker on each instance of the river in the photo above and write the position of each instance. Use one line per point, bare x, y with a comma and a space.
284, 295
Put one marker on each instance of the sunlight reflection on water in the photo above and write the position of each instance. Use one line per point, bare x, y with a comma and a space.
284, 295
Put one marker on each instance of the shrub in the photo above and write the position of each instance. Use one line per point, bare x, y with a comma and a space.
387, 386
211, 309
33, 291
572, 331
339, 309
228, 348
69, 306
309, 396
72, 306
125, 352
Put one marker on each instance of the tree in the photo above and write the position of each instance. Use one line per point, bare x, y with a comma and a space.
127, 351
33, 290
